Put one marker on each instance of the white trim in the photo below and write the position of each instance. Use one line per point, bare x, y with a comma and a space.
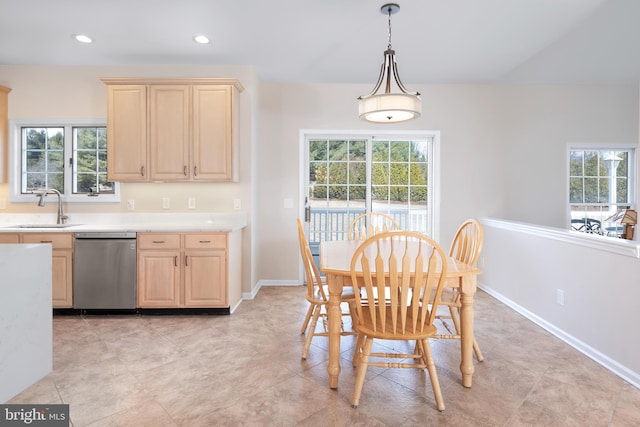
602, 359
15, 162
629, 248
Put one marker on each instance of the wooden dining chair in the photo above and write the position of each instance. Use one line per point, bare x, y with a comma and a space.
317, 296
465, 247
368, 224
409, 264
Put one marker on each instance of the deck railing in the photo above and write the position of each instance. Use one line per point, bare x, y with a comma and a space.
333, 224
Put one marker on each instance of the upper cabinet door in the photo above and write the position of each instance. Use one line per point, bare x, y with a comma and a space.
127, 133
213, 133
169, 132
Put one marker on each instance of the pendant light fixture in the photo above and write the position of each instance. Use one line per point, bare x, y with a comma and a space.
388, 106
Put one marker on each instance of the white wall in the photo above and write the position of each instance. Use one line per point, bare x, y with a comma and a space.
524, 266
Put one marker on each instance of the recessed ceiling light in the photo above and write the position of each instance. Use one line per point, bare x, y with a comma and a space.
201, 39
83, 38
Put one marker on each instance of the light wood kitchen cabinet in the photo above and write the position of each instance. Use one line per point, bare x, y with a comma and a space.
62, 264
182, 270
9, 238
127, 143
192, 124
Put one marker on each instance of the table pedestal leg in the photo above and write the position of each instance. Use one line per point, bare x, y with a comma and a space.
466, 333
334, 314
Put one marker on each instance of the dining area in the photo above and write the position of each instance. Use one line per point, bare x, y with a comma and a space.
420, 284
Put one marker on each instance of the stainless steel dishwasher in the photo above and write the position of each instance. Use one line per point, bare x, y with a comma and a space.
104, 271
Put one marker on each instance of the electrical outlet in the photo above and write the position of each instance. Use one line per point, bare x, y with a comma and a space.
237, 204
191, 203
166, 203
560, 296
131, 205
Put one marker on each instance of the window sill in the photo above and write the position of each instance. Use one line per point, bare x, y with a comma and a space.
630, 248
77, 198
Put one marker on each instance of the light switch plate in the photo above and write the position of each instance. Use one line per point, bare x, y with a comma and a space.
166, 203
191, 203
288, 203
237, 204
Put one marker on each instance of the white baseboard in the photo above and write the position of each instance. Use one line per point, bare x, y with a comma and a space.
602, 359
261, 283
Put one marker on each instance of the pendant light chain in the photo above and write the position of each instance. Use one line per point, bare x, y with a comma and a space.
389, 45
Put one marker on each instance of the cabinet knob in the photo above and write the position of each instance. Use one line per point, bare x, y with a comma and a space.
186, 260
175, 260
158, 241
142, 170
195, 171
184, 171
205, 241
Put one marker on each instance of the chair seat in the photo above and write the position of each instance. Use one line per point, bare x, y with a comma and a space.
366, 327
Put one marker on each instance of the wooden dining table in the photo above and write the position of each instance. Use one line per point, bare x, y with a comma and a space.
335, 263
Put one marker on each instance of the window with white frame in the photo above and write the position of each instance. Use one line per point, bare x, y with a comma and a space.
68, 156
601, 183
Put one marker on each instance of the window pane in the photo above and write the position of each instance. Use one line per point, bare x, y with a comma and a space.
35, 181
86, 161
90, 159
338, 173
337, 150
575, 163
418, 173
380, 151
86, 138
85, 183
55, 161
357, 150
35, 139
575, 190
399, 174
357, 173
591, 190
379, 173
318, 172
317, 150
55, 139
35, 161
399, 151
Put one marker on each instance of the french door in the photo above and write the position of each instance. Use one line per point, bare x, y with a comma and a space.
347, 175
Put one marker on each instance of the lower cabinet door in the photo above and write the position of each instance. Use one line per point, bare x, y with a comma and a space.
159, 279
205, 278
61, 281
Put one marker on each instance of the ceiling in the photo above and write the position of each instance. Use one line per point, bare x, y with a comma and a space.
338, 41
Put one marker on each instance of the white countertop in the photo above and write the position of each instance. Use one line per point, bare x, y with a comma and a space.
138, 222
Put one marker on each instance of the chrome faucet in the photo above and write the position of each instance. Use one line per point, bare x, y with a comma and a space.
61, 216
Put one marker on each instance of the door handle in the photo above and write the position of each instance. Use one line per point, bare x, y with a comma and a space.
307, 210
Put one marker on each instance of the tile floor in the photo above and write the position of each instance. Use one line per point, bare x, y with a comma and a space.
245, 370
